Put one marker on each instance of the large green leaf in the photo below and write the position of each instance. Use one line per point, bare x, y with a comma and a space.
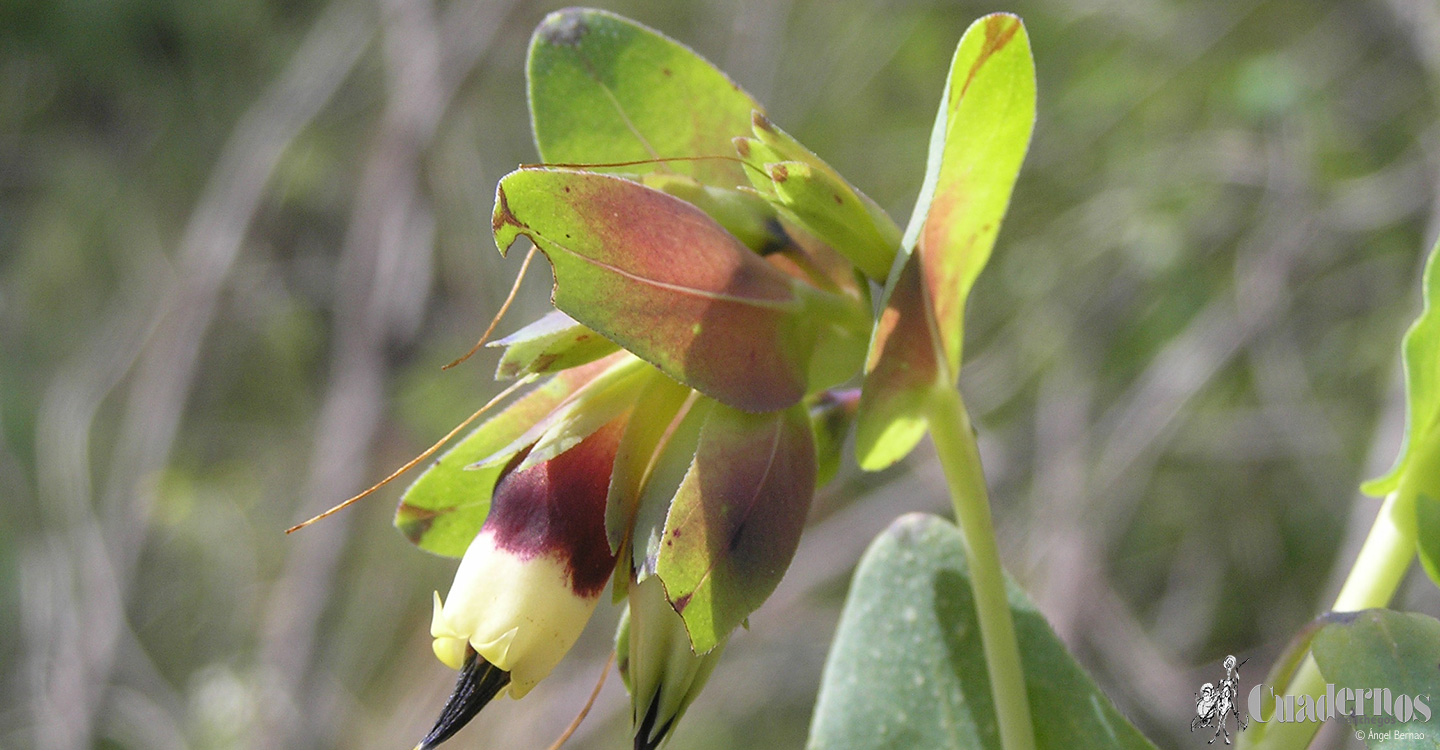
980, 136
907, 667
605, 89
662, 279
736, 519
1421, 353
1384, 649
443, 509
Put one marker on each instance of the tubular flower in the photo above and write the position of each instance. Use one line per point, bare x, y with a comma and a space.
530, 580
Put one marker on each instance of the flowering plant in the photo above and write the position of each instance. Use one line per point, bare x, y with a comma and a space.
713, 294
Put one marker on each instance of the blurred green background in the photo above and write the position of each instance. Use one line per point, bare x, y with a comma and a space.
237, 240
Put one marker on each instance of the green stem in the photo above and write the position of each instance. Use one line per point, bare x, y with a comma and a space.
960, 458
1376, 574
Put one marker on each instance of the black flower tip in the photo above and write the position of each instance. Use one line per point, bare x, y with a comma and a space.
647, 736
479, 683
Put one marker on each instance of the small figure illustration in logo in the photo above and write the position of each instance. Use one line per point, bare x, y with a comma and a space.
1214, 705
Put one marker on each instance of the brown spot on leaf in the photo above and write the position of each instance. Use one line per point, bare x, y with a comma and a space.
779, 173
667, 72
564, 28
415, 522
742, 147
999, 30
838, 200
503, 214
415, 529
683, 602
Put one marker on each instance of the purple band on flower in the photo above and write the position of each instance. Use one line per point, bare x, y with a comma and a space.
557, 508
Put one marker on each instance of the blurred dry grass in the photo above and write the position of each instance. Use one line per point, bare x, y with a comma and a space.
237, 240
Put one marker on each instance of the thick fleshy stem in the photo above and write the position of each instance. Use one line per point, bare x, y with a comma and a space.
960, 458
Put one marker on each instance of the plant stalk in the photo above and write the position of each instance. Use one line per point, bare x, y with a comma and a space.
960, 458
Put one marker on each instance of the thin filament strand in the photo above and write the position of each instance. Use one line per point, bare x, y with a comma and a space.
509, 298
412, 462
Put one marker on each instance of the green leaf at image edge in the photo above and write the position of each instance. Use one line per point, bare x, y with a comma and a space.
980, 137
907, 667
1381, 648
1427, 536
1421, 355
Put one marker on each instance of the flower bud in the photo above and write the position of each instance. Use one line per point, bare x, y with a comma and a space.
662, 672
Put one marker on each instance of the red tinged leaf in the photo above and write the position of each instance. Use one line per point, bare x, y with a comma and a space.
662, 279
736, 518
902, 370
978, 142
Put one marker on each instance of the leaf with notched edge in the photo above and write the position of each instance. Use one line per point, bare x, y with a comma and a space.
736, 519
443, 509
660, 278
554, 342
979, 140
606, 89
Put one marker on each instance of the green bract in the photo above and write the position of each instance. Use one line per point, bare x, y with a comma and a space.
735, 520
553, 343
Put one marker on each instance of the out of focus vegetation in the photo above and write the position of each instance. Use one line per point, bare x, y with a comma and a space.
238, 239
